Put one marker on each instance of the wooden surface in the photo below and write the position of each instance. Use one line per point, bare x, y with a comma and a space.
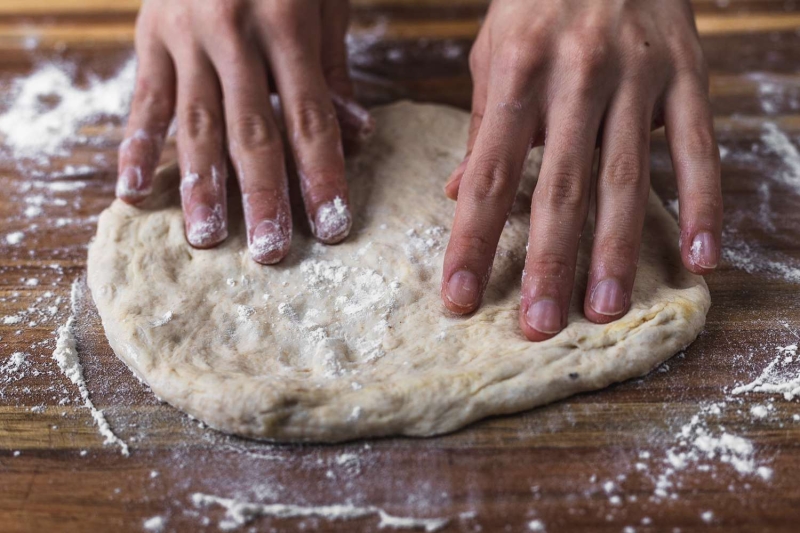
552, 464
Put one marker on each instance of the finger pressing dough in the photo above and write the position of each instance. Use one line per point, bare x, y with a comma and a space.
347, 341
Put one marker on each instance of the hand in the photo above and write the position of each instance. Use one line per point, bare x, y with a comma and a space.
213, 64
581, 73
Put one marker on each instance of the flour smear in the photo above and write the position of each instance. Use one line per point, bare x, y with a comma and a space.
238, 513
66, 355
783, 183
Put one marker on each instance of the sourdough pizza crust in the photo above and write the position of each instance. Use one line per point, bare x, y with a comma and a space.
347, 341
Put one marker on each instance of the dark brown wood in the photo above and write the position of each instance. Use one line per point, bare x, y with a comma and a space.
549, 464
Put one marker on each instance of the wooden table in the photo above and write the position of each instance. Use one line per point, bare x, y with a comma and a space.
592, 462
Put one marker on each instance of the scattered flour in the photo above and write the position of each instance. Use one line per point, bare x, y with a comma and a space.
536, 525
155, 524
781, 376
53, 109
776, 93
66, 355
743, 253
780, 143
11, 368
238, 513
15, 237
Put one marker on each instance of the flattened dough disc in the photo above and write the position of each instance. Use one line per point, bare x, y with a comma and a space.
350, 341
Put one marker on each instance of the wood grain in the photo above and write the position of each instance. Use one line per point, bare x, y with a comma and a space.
552, 464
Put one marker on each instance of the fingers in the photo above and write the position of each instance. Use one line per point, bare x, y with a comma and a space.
151, 111
294, 53
558, 212
200, 150
485, 197
623, 184
695, 157
479, 67
256, 149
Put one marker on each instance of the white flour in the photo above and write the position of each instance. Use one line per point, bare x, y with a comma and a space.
780, 144
780, 377
66, 355
154, 524
238, 513
746, 254
536, 525
745, 257
776, 93
11, 369
362, 307
14, 237
52, 109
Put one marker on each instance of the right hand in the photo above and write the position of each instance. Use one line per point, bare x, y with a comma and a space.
213, 65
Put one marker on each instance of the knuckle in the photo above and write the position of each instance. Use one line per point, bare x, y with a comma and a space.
624, 170
200, 121
474, 244
473, 59
702, 145
712, 200
150, 98
491, 180
280, 10
587, 52
227, 13
564, 190
258, 191
520, 61
689, 58
322, 188
553, 266
621, 252
313, 118
284, 20
254, 131
477, 55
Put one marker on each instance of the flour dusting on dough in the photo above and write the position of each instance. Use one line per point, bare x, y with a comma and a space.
362, 305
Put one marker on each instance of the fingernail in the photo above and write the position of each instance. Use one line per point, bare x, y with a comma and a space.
268, 242
704, 251
333, 221
462, 289
608, 297
544, 316
131, 184
206, 226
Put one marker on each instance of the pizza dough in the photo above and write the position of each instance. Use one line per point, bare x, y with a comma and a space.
347, 341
